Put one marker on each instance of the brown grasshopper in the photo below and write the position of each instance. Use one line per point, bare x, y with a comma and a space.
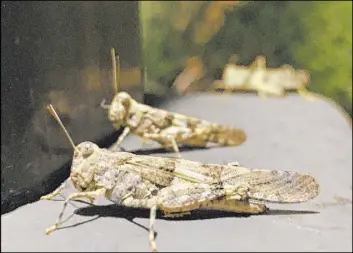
265, 81
167, 128
177, 186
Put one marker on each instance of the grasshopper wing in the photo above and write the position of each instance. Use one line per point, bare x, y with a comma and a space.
157, 170
272, 185
200, 132
184, 129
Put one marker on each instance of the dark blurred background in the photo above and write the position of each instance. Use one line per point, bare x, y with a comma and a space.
58, 52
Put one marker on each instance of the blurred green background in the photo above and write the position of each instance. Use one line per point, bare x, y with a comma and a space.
311, 35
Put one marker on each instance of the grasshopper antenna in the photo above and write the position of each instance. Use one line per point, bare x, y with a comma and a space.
55, 115
115, 75
116, 69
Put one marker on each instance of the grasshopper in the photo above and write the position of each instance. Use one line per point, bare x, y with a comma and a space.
177, 186
266, 81
167, 128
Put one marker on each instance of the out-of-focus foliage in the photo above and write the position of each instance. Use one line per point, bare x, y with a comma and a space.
175, 31
316, 36
327, 48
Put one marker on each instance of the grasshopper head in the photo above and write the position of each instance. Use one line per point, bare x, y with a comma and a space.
85, 160
83, 166
119, 108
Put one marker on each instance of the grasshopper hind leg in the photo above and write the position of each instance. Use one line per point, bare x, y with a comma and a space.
166, 140
175, 200
179, 199
237, 206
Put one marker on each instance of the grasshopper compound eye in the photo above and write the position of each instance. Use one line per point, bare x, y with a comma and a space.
86, 149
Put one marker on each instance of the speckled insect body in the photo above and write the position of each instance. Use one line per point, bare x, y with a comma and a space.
265, 81
177, 186
167, 128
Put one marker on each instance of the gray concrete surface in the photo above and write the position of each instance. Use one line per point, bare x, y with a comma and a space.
284, 134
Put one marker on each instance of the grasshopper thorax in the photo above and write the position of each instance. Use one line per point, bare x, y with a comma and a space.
119, 108
83, 168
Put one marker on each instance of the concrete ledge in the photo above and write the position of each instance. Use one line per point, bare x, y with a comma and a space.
284, 134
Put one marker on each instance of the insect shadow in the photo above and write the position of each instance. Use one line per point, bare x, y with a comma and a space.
114, 210
182, 148
152, 151
130, 214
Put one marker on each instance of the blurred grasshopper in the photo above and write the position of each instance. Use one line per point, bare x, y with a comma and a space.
266, 81
167, 128
177, 186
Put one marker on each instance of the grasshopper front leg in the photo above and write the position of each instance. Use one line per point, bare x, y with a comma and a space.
51, 195
126, 131
104, 105
90, 195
